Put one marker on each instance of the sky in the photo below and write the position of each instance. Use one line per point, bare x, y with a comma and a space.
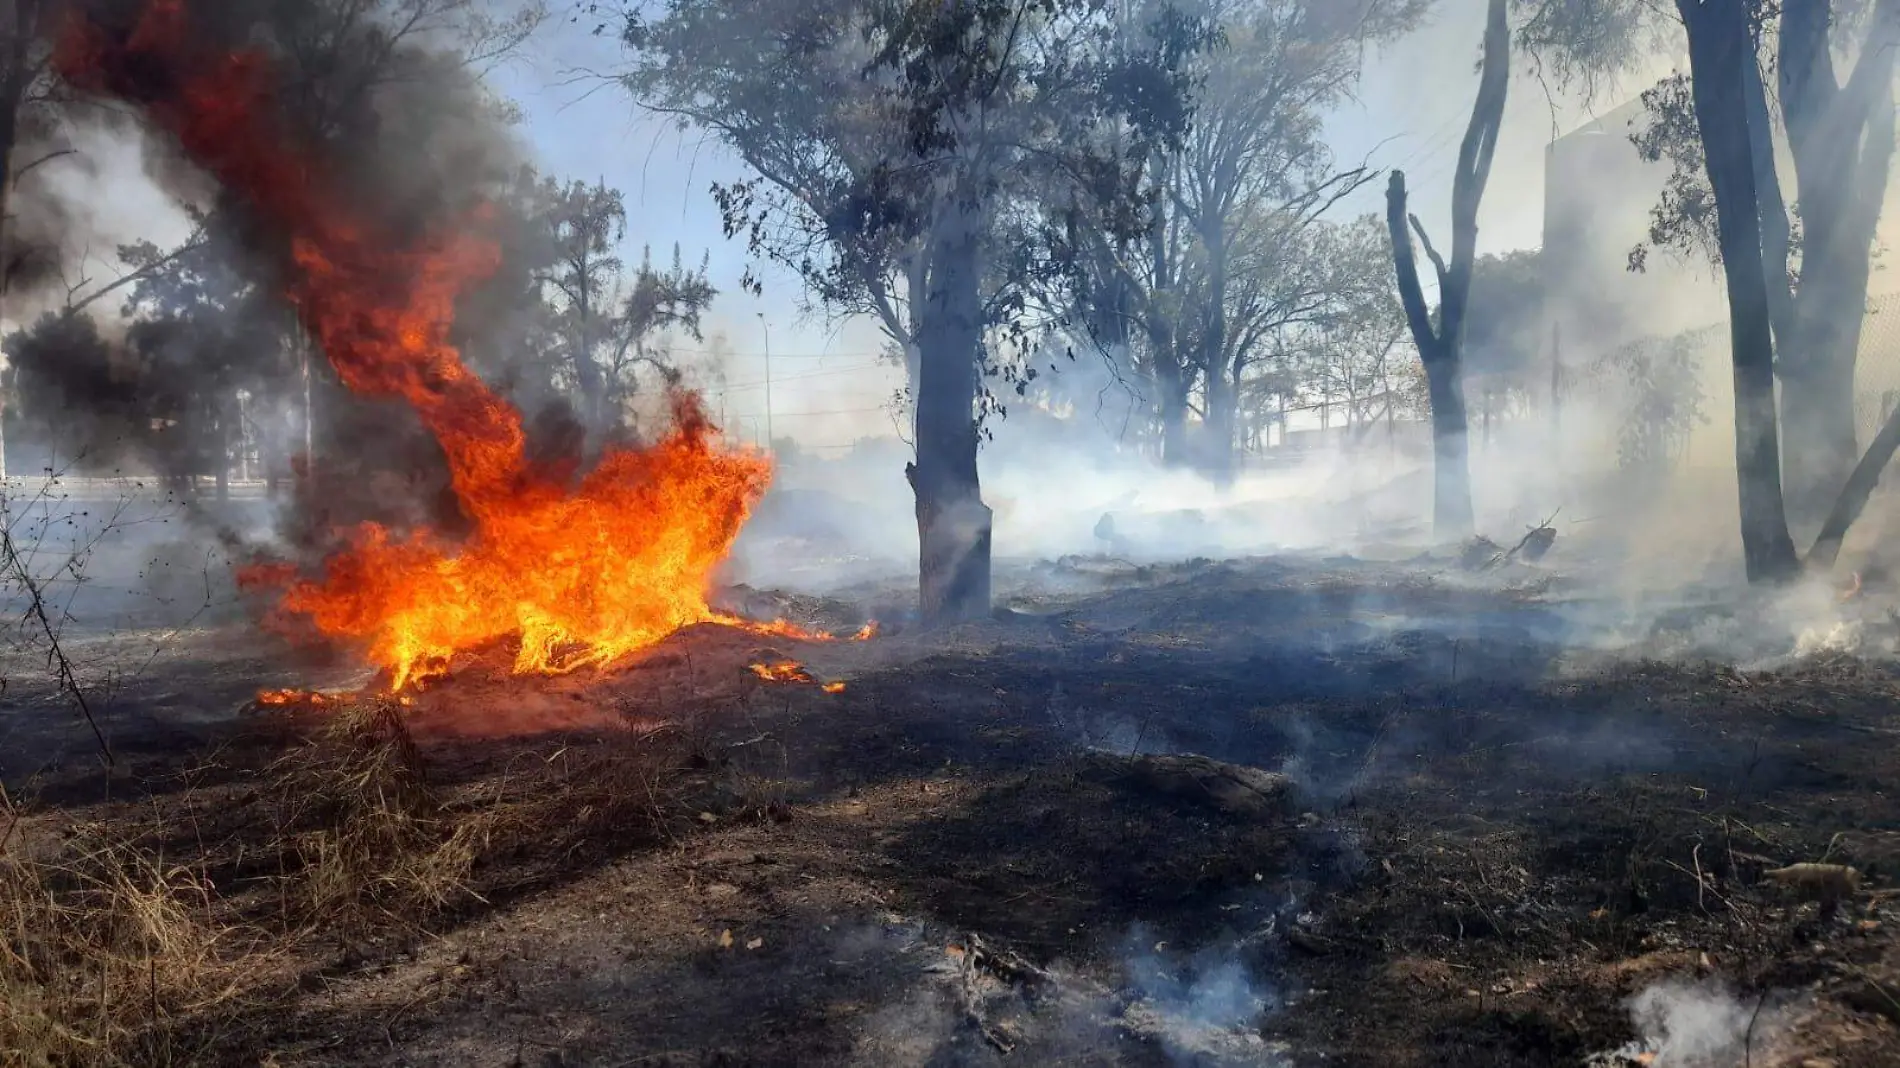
827, 385
828, 388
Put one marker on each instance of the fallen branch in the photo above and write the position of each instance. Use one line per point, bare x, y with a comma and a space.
1538, 538
1852, 499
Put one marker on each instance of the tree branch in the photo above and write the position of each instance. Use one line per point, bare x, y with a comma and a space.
1411, 295
1438, 262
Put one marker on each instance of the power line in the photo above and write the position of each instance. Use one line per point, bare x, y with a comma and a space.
835, 411
778, 355
759, 383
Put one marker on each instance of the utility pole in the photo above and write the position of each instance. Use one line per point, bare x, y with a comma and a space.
768, 380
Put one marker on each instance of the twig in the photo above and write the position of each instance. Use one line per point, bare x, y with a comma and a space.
1748, 1038
55, 653
13, 818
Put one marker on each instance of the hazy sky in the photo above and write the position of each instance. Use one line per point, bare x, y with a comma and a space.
827, 387
1411, 113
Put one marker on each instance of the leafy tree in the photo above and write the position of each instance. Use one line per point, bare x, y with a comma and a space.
607, 323
898, 149
203, 335
1504, 331
1840, 134
1355, 353
1227, 256
1656, 385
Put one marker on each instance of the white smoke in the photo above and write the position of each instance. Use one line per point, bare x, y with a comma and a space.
1701, 1024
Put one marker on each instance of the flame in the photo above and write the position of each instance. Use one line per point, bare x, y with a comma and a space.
866, 632
582, 575
791, 671
782, 671
280, 698
781, 628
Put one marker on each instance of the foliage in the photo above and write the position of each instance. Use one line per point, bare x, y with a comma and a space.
604, 324
870, 125
1502, 328
1657, 385
1233, 255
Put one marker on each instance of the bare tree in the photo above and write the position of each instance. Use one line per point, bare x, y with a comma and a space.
1439, 343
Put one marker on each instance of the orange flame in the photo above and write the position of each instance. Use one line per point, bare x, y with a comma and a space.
582, 576
782, 671
280, 698
782, 628
791, 671
866, 632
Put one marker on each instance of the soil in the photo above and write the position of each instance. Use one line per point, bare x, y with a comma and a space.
1282, 811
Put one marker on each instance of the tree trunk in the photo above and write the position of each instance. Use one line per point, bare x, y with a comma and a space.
1817, 365
1719, 43
1853, 497
1223, 401
953, 523
1451, 461
1171, 398
1440, 344
221, 455
1217, 458
1842, 142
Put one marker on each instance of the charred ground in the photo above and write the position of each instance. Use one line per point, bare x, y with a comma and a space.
1392, 804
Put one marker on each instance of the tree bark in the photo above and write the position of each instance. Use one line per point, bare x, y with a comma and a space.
1719, 44
1223, 403
1853, 497
953, 524
1171, 397
1842, 141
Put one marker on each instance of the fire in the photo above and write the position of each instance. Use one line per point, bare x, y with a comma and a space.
792, 671
782, 628
783, 671
582, 574
312, 698
280, 698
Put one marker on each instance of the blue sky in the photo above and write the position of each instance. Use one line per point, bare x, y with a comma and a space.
827, 389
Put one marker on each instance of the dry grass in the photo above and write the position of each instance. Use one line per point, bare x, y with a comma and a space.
358, 825
114, 953
109, 955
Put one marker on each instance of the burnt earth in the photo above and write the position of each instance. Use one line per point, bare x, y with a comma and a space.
1398, 810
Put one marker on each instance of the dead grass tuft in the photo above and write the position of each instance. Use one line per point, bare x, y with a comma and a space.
108, 957
359, 826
